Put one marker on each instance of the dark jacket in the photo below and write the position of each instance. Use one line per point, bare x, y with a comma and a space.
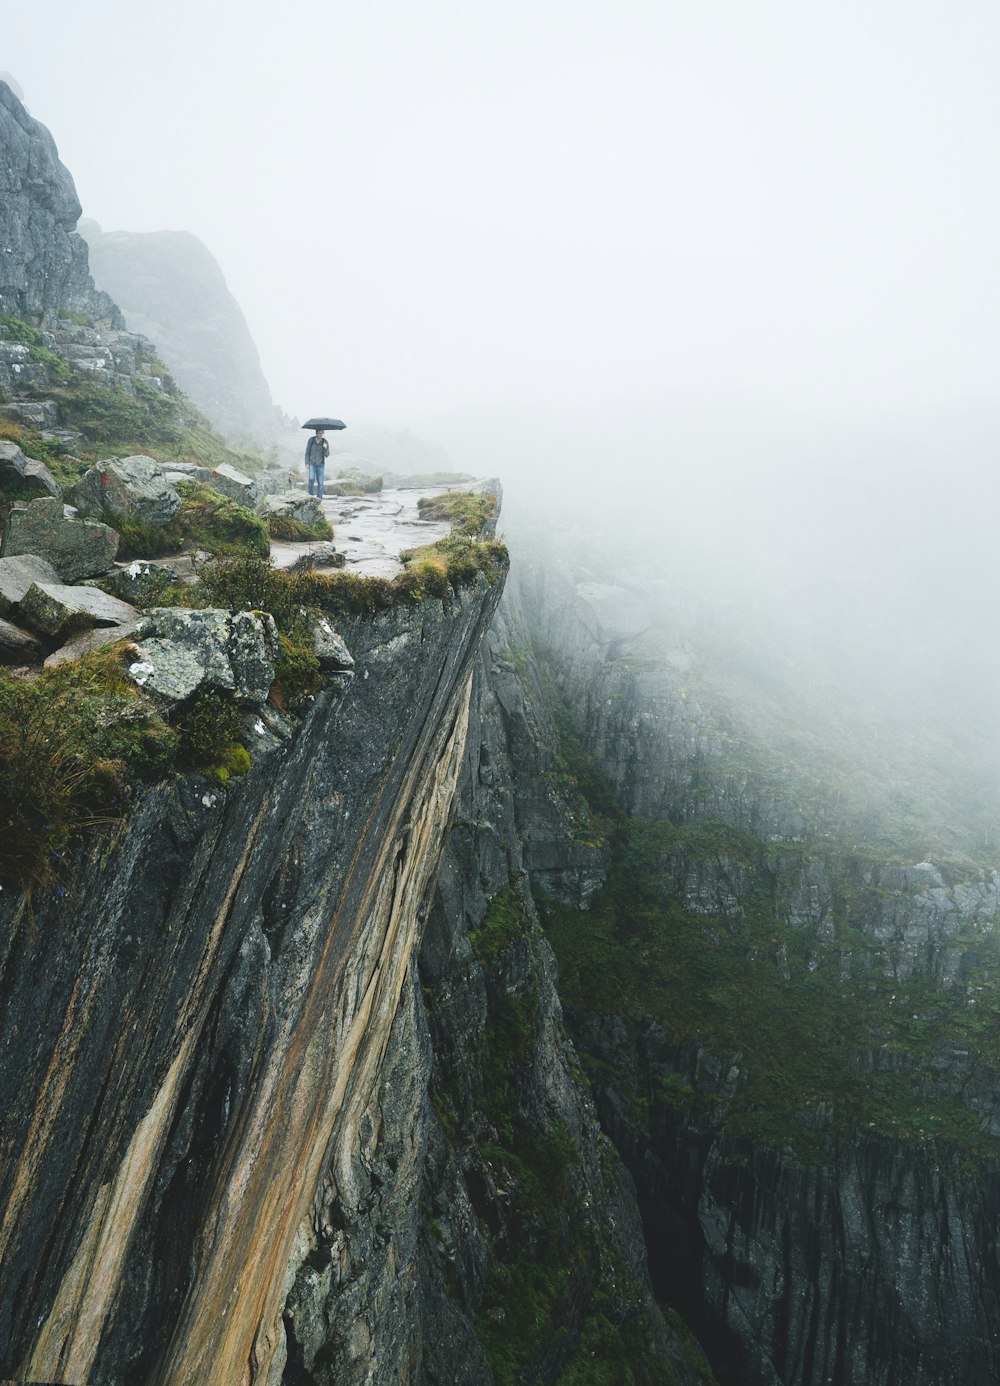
317, 451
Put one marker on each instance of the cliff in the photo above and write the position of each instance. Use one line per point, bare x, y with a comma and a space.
170, 288
200, 1046
797, 1060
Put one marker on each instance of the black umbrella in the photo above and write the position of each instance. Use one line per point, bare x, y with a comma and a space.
323, 423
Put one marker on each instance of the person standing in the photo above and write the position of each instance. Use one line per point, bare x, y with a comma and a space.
317, 451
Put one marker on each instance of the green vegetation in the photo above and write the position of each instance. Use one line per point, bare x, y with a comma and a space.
803, 1015
73, 743
209, 730
468, 512
17, 330
287, 528
504, 924
206, 520
76, 741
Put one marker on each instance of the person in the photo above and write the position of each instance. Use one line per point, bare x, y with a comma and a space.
317, 451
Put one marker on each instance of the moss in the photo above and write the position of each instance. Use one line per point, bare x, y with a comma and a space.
73, 744
206, 520
504, 924
17, 330
209, 728
290, 530
350, 482
468, 512
298, 674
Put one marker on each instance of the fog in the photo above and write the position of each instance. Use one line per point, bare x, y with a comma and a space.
720, 279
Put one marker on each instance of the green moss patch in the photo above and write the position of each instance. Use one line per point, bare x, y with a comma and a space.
467, 512
206, 520
17, 330
287, 528
73, 743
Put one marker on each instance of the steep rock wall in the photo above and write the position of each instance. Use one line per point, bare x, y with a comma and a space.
43, 263
876, 1260
199, 1021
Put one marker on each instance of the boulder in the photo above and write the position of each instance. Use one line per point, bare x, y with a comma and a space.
236, 485
180, 652
54, 609
40, 413
17, 575
186, 471
22, 477
75, 548
133, 487
17, 646
295, 505
324, 555
275, 480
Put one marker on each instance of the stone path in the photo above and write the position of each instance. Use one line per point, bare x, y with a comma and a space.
372, 531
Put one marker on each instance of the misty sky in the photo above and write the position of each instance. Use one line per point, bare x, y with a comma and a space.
601, 211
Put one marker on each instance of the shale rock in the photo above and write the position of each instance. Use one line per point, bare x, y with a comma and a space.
41, 413
133, 487
294, 505
181, 652
75, 548
24, 476
54, 609
17, 575
236, 485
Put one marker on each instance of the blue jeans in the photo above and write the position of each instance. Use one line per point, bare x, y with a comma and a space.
316, 478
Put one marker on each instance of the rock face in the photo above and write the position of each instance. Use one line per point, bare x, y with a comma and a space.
43, 268
171, 289
864, 1262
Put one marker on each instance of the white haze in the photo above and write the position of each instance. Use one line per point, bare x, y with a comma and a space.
723, 276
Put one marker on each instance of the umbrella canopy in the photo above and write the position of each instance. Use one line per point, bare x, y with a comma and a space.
323, 423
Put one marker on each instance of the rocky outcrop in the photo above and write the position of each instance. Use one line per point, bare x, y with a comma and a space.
171, 289
43, 264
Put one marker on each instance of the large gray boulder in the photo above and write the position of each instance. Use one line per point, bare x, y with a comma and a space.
236, 485
133, 487
24, 477
57, 610
181, 652
294, 505
75, 548
17, 575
